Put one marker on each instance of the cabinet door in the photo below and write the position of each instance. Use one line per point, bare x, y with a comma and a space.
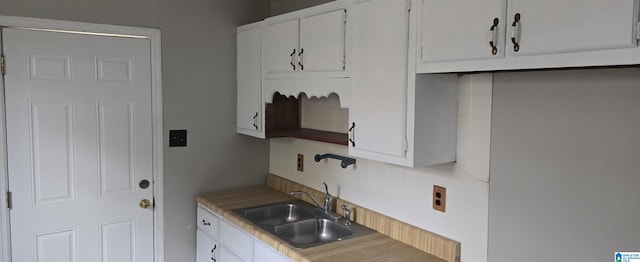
281, 47
249, 78
462, 30
206, 247
322, 42
264, 253
561, 26
379, 77
227, 256
236, 240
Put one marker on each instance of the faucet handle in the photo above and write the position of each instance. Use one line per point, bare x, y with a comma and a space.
347, 215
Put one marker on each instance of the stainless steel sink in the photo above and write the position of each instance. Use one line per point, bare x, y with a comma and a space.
277, 214
300, 224
309, 232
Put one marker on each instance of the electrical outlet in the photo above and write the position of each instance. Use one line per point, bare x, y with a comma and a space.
300, 162
439, 198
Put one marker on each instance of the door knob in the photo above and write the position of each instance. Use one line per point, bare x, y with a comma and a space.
145, 203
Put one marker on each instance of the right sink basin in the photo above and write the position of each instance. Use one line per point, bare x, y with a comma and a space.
311, 232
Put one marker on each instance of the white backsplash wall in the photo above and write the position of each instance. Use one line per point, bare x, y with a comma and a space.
406, 193
324, 114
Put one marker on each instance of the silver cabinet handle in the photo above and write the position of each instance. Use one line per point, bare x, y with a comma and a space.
255, 121
493, 36
352, 133
301, 59
293, 59
515, 32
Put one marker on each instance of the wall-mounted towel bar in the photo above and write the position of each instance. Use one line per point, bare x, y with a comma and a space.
346, 161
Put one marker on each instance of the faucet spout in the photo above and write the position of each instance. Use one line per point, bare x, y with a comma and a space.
324, 207
293, 193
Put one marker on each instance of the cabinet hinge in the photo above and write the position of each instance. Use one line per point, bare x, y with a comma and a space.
9, 200
344, 62
345, 16
409, 7
405, 145
3, 64
638, 31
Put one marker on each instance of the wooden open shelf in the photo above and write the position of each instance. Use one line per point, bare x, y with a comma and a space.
312, 134
283, 120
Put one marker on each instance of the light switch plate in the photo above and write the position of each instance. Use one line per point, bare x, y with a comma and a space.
177, 138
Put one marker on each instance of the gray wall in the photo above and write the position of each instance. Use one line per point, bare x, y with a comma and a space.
565, 178
198, 53
283, 6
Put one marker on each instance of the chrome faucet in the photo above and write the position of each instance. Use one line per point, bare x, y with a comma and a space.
327, 201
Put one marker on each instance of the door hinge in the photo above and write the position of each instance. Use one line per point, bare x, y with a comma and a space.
638, 31
9, 200
3, 64
409, 7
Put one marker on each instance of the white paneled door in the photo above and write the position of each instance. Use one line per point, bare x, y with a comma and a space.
79, 143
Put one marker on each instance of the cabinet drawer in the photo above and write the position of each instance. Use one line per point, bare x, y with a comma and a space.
207, 222
236, 240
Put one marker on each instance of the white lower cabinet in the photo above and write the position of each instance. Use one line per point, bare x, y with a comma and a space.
236, 240
206, 248
227, 256
219, 240
264, 253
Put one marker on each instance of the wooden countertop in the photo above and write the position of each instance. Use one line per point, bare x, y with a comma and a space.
373, 247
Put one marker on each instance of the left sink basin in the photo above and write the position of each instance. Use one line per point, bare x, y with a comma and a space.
277, 214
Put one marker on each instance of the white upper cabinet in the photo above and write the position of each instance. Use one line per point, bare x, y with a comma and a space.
250, 117
281, 47
322, 42
559, 26
459, 36
396, 116
379, 79
307, 51
305, 42
462, 30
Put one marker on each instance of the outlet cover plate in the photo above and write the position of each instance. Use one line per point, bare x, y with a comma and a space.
439, 198
300, 163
